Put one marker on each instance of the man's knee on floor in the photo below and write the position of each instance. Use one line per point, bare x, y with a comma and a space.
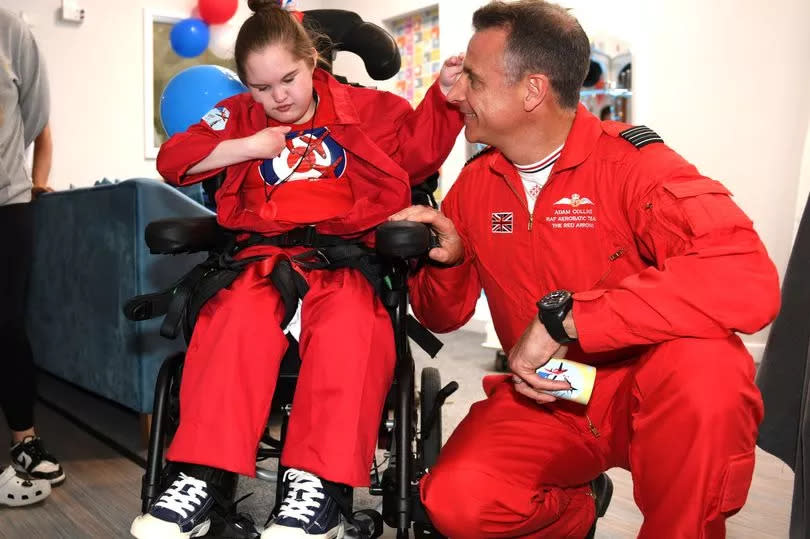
461, 501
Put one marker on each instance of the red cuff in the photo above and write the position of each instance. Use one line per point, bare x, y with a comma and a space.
598, 329
178, 155
435, 94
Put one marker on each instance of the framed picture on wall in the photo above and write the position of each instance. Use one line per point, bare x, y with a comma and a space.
160, 64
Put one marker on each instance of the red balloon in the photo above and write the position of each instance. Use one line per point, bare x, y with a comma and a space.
217, 11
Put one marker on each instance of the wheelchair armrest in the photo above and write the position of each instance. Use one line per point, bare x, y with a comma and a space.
184, 235
403, 239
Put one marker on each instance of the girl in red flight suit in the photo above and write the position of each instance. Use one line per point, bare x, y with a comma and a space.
299, 149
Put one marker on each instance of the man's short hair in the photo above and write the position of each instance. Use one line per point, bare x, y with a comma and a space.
541, 38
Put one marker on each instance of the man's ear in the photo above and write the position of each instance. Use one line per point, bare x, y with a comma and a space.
537, 88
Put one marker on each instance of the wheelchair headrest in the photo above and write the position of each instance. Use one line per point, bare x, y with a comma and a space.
349, 32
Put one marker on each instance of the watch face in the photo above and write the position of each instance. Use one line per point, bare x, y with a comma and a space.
554, 300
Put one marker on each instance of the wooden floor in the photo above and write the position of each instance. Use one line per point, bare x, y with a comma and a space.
98, 499
101, 494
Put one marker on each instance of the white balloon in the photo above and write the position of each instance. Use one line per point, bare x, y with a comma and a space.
223, 39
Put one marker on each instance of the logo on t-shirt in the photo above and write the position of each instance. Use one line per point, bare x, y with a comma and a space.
309, 155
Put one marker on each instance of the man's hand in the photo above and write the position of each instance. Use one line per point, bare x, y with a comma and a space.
533, 350
451, 249
450, 71
267, 143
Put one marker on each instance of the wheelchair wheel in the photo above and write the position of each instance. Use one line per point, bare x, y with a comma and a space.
369, 522
432, 440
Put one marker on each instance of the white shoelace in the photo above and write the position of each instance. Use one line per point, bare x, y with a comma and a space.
181, 500
309, 487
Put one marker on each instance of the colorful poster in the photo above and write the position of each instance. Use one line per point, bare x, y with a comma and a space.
417, 36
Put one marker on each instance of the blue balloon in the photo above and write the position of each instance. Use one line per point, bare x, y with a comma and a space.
193, 92
189, 37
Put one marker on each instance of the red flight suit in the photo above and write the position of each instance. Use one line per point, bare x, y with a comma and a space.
665, 268
356, 160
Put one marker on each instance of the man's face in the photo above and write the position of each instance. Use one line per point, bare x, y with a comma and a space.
492, 108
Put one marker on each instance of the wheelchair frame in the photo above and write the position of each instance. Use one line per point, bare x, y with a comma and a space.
399, 482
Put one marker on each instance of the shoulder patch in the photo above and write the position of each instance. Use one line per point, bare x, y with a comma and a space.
217, 118
640, 135
479, 154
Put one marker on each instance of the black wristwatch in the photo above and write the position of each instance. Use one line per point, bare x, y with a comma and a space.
553, 308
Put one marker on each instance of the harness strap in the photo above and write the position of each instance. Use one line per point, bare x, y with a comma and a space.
305, 236
181, 303
291, 285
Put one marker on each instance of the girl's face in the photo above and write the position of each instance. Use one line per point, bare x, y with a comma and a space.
281, 83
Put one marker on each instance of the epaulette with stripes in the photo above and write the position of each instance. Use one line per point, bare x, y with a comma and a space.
640, 135
479, 154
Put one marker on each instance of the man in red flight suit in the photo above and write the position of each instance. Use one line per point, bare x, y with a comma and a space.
655, 269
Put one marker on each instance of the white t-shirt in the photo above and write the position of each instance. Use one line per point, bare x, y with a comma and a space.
535, 176
24, 105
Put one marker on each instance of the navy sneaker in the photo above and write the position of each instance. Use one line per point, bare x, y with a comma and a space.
30, 457
182, 511
307, 511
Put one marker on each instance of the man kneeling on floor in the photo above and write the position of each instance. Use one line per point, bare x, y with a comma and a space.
596, 242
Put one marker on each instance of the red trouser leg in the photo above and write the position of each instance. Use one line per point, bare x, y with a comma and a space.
512, 469
695, 420
348, 357
229, 375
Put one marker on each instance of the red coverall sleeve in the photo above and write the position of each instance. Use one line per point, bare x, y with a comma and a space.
426, 135
443, 298
709, 275
184, 150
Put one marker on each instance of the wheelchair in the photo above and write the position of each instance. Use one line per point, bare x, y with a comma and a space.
410, 436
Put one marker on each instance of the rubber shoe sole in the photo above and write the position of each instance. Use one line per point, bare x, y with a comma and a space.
149, 527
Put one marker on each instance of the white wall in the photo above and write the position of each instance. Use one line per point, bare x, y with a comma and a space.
804, 177
733, 98
96, 76
726, 83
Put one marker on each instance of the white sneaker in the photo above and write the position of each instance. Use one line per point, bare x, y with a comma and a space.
31, 457
16, 490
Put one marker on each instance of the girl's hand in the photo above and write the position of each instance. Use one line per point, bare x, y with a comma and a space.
267, 143
450, 71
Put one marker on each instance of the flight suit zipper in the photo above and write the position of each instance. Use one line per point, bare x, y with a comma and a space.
612, 258
592, 427
522, 200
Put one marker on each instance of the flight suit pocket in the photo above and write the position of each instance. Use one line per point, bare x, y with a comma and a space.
736, 482
703, 205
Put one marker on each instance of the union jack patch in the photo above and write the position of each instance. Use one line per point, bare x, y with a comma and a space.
502, 222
